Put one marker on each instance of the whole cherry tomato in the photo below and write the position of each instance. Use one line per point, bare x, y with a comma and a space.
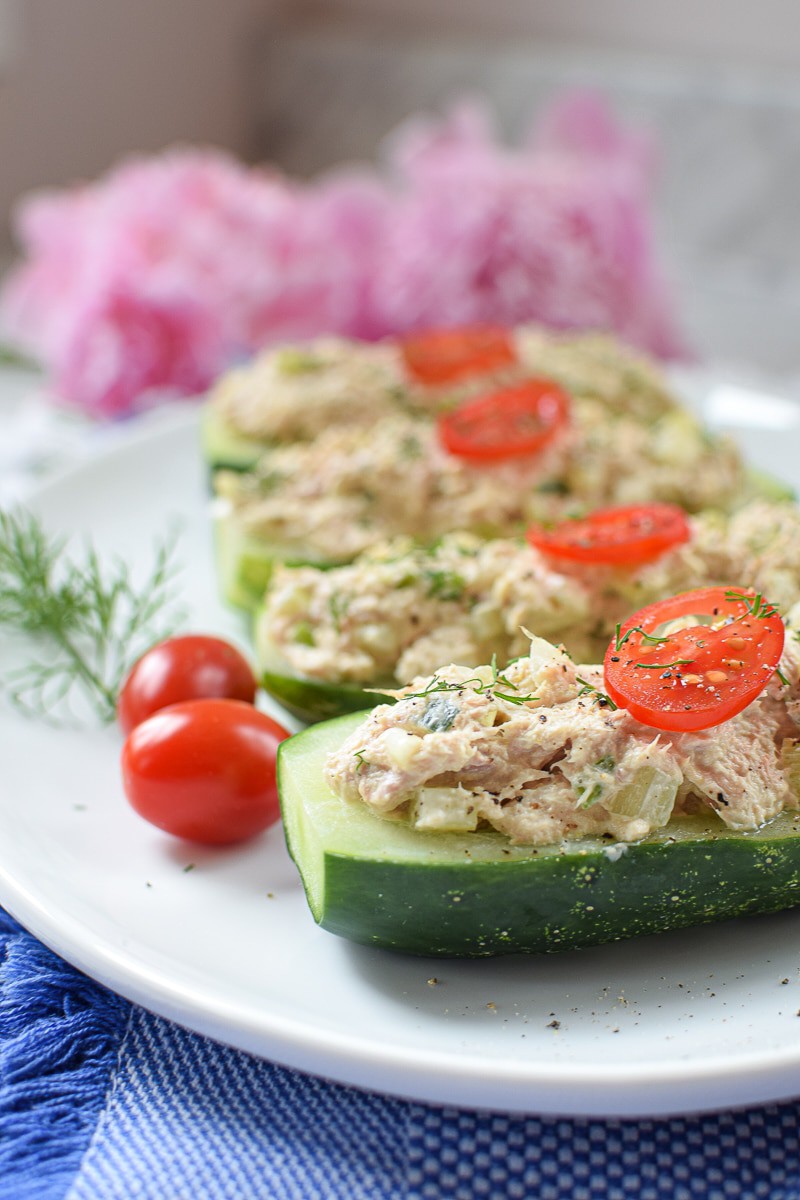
626, 535
205, 770
508, 423
184, 668
683, 677
441, 356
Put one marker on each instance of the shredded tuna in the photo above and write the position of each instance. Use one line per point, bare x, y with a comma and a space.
539, 753
398, 612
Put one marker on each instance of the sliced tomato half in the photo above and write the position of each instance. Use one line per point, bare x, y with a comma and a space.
514, 421
694, 660
625, 535
441, 356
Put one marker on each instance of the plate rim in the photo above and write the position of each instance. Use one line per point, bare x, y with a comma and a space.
631, 1089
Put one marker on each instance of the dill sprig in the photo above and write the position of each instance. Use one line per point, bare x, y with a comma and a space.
87, 621
600, 698
755, 603
620, 639
476, 684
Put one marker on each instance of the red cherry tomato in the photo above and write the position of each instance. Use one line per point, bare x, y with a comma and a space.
440, 356
205, 770
699, 675
184, 668
512, 422
625, 535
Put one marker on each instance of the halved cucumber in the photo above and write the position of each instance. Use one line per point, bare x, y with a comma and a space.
472, 895
762, 485
245, 563
309, 699
223, 446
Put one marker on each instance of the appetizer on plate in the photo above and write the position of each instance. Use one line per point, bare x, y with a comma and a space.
324, 450
328, 500
548, 805
324, 636
290, 393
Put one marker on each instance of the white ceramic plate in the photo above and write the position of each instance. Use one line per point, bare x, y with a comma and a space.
702, 1019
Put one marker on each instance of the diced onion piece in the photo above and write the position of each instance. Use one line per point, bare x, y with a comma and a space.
445, 809
399, 747
542, 652
650, 797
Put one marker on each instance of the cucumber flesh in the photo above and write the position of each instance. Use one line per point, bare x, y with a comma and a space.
245, 563
224, 447
473, 895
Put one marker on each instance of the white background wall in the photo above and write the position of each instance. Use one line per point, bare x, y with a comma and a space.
754, 32
84, 81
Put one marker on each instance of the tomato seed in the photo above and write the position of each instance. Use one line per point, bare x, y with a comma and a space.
716, 676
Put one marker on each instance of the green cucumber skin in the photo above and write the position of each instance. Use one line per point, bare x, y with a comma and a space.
478, 910
762, 485
450, 896
312, 700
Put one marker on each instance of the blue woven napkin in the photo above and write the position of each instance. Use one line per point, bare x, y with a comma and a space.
101, 1100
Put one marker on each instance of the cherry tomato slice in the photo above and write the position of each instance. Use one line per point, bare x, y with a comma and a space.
205, 770
515, 421
700, 675
440, 356
183, 668
625, 535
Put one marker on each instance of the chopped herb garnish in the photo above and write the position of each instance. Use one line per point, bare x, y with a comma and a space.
478, 685
338, 604
410, 446
359, 757
444, 584
678, 662
600, 697
782, 677
553, 487
619, 642
756, 605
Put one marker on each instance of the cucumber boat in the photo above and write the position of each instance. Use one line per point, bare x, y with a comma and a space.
309, 699
382, 883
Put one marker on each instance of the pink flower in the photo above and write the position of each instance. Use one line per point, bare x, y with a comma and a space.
155, 278
131, 350
560, 236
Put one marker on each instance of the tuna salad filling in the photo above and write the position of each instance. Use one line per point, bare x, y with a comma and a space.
352, 487
400, 611
291, 392
539, 753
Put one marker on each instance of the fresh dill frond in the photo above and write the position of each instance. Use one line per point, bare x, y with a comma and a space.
87, 622
600, 698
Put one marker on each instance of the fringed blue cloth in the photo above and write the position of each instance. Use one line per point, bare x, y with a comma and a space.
60, 1036
100, 1100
